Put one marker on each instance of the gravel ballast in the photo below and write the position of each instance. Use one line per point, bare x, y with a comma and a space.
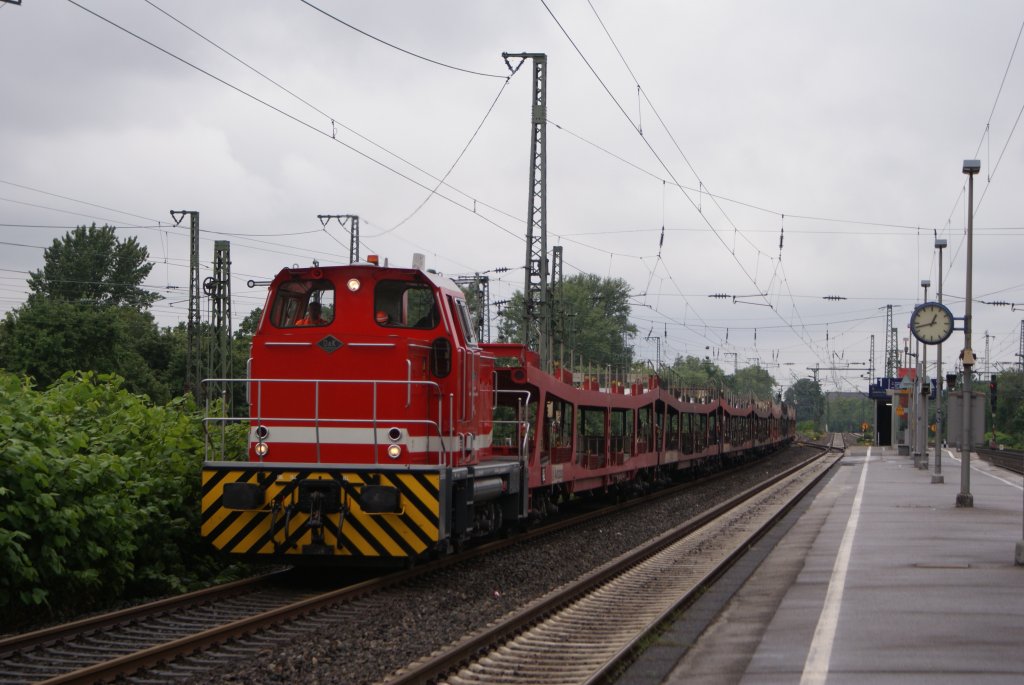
365, 641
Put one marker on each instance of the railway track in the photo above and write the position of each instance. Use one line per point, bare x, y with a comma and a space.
1011, 460
113, 644
149, 639
581, 632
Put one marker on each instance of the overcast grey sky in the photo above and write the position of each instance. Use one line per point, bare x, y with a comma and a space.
840, 126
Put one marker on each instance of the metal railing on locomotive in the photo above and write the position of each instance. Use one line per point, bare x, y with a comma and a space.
521, 425
447, 442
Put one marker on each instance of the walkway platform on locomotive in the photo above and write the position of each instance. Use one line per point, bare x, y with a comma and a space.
877, 577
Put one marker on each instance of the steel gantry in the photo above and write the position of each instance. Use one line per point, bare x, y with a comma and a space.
193, 355
350, 222
218, 288
892, 345
478, 290
536, 324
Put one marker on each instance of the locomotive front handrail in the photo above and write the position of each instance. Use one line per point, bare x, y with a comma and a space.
445, 448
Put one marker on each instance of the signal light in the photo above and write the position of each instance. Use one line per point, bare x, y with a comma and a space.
992, 392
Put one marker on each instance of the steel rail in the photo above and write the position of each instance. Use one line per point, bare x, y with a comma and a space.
436, 667
164, 652
44, 636
1011, 460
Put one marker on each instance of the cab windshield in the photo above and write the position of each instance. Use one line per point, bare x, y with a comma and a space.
405, 304
303, 302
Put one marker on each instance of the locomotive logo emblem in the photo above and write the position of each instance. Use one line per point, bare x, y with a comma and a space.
330, 344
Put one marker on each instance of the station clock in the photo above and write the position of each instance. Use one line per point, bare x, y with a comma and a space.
931, 323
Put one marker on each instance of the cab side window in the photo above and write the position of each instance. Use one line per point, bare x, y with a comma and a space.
465, 320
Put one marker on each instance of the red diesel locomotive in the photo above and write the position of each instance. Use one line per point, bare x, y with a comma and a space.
381, 430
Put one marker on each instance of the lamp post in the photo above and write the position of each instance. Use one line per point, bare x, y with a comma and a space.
964, 498
922, 377
940, 244
914, 425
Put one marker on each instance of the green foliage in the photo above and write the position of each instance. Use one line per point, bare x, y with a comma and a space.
247, 327
694, 372
1007, 440
91, 265
808, 430
806, 395
45, 338
99, 493
593, 321
847, 412
752, 380
1009, 414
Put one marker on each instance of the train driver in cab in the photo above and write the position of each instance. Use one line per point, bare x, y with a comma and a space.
312, 317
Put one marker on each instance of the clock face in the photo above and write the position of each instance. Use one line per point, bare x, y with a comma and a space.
931, 323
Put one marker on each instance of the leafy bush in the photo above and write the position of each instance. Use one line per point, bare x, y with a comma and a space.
99, 496
808, 430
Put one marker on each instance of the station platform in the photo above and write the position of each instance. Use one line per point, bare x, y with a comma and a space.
877, 577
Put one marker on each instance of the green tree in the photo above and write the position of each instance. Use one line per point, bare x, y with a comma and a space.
87, 311
91, 265
694, 372
806, 395
848, 411
241, 349
1009, 413
753, 380
45, 338
593, 322
247, 327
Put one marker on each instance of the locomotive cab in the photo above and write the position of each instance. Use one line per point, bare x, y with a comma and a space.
354, 364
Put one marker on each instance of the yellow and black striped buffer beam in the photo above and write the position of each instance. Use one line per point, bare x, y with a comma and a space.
279, 525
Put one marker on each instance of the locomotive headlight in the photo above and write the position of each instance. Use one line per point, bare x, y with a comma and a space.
353, 285
394, 434
261, 449
394, 451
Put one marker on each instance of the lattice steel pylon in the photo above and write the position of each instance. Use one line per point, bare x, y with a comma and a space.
892, 345
480, 287
350, 222
193, 354
218, 288
556, 306
1020, 352
536, 324
871, 360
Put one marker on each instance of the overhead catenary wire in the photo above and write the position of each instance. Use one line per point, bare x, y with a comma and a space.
645, 240
334, 120
400, 49
986, 133
475, 201
455, 163
665, 166
296, 119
